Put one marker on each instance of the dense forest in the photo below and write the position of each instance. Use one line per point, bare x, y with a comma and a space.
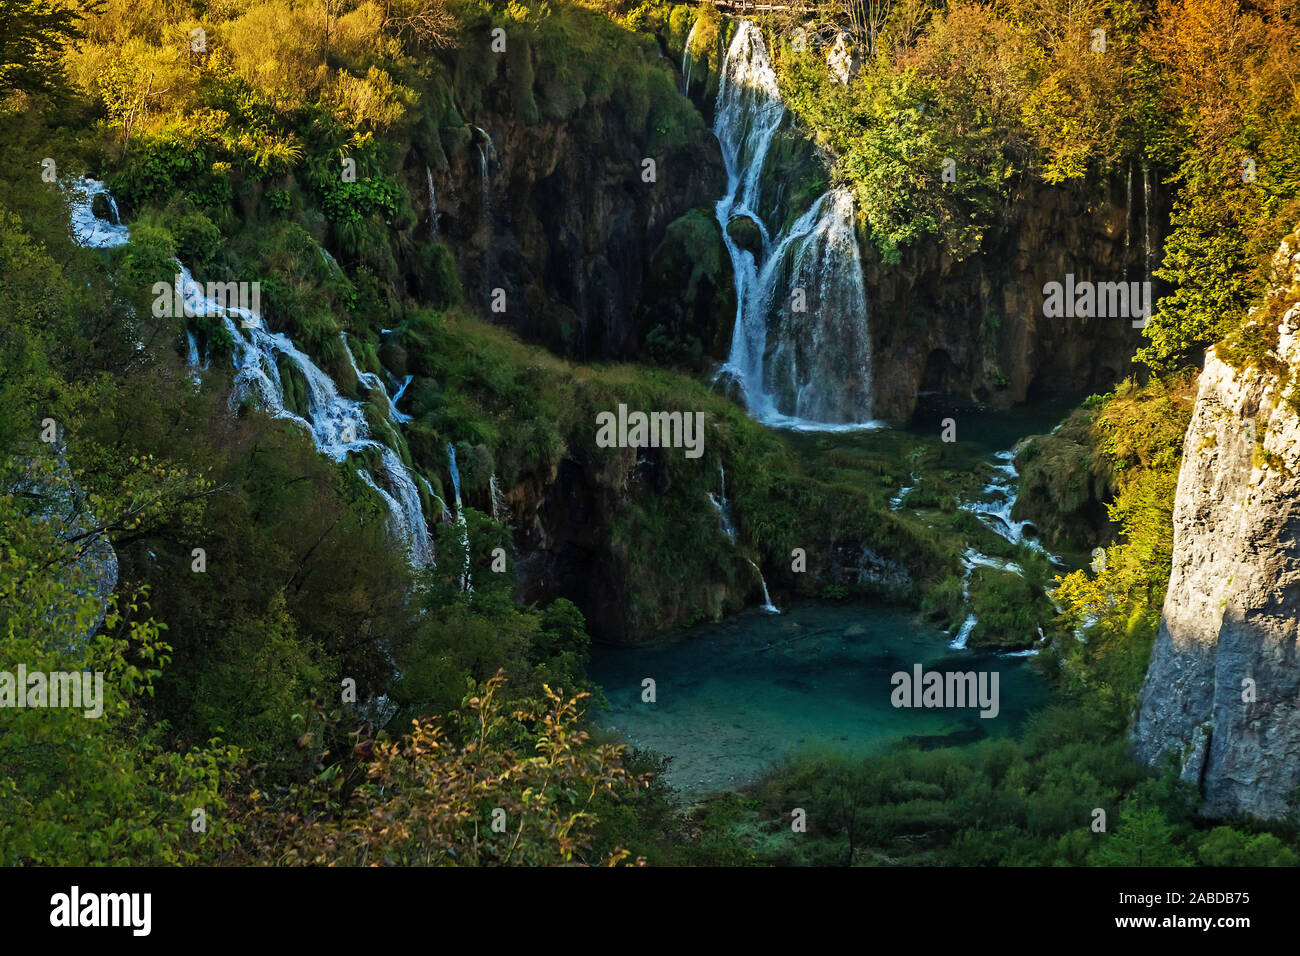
374, 648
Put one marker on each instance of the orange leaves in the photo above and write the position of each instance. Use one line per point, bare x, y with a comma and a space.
429, 799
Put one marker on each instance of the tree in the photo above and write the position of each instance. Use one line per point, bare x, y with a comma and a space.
426, 24
33, 34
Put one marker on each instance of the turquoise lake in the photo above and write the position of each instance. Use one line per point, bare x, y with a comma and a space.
733, 698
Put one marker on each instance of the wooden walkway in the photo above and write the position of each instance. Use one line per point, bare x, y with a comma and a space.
752, 6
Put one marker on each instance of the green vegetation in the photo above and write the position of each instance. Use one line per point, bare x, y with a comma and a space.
255, 578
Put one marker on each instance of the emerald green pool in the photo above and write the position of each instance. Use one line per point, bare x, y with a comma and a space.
732, 698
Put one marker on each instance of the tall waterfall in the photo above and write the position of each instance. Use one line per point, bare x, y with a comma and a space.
688, 60
801, 348
337, 425
452, 467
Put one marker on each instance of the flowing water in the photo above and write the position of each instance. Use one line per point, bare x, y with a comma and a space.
801, 346
465, 582
733, 698
336, 424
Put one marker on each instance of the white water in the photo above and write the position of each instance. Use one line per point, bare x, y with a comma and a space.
767, 604
994, 509
997, 500
372, 381
687, 60
728, 527
337, 425
465, 582
86, 228
498, 499
809, 369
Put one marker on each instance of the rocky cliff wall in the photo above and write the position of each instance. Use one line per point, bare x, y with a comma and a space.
1222, 694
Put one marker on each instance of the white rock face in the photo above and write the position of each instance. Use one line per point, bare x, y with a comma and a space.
843, 59
1222, 693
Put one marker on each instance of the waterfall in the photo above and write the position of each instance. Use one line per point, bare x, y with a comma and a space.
433, 204
723, 508
87, 228
687, 60
994, 508
192, 358
498, 499
1128, 216
767, 604
1146, 219
465, 581
487, 214
997, 501
801, 347
728, 527
372, 381
337, 425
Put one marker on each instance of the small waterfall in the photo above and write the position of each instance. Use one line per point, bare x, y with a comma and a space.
801, 347
723, 507
372, 381
192, 358
963, 635
1146, 220
998, 499
487, 218
994, 509
1128, 217
498, 499
337, 425
433, 204
687, 60
465, 581
87, 228
728, 527
767, 604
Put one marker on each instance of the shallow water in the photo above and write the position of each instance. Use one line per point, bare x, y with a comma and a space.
732, 698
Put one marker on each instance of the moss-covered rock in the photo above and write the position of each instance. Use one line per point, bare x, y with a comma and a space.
689, 304
1064, 485
1009, 609
744, 232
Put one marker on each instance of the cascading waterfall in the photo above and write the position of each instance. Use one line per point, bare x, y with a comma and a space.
337, 425
87, 228
998, 499
465, 581
1146, 219
372, 381
498, 499
994, 509
801, 347
728, 526
687, 60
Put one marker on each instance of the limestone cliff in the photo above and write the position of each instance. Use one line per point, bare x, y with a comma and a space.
1222, 694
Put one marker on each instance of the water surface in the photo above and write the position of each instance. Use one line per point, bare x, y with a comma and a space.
732, 698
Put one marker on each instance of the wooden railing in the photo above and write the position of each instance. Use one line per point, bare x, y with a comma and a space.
753, 6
